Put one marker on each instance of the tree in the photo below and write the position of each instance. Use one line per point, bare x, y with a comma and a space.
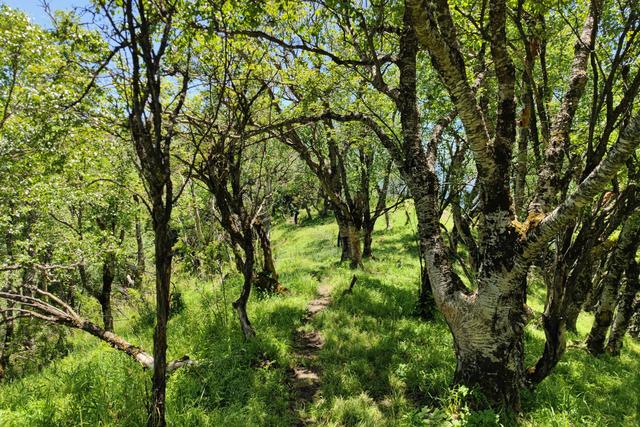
239, 167
36, 83
346, 160
494, 363
142, 85
487, 320
150, 47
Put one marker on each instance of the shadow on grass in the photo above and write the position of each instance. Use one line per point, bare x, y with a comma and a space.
304, 222
387, 243
584, 389
375, 348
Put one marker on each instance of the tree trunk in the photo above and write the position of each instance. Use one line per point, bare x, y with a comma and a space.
343, 240
553, 318
604, 315
140, 260
8, 339
578, 296
521, 169
368, 238
322, 204
84, 279
416, 166
164, 240
634, 323
269, 266
554, 330
464, 231
8, 324
355, 253
493, 366
624, 309
240, 305
425, 307
105, 295
196, 214
489, 343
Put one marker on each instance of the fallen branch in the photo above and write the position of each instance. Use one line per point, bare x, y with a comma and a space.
59, 312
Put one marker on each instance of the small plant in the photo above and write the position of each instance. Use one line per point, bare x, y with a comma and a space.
454, 411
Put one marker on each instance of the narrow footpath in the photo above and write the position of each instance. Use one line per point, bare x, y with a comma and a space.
305, 376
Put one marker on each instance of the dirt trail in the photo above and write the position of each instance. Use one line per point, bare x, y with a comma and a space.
305, 376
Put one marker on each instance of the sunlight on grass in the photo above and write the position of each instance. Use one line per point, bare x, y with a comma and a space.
380, 366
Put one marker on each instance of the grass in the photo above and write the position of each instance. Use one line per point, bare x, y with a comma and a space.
381, 365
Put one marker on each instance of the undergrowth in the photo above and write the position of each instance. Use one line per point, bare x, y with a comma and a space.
381, 365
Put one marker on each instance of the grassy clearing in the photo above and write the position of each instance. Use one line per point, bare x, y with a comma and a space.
381, 366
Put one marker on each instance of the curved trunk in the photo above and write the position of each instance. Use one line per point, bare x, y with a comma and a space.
604, 315
553, 322
576, 299
554, 346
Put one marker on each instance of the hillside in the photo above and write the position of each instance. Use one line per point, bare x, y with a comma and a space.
379, 366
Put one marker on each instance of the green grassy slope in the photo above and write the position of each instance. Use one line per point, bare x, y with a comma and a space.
380, 365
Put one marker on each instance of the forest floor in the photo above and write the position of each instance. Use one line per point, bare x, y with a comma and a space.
371, 361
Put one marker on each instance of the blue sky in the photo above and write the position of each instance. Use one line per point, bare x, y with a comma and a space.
34, 9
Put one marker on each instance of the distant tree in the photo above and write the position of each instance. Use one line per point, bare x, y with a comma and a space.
240, 168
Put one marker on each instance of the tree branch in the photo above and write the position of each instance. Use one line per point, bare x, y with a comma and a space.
595, 182
61, 313
437, 34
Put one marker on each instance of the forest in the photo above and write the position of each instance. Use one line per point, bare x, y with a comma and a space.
320, 212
